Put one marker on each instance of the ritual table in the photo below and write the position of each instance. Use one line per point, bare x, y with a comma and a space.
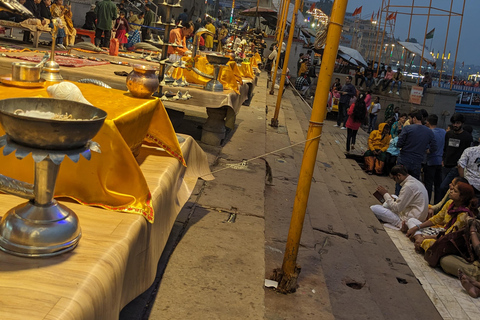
117, 256
221, 108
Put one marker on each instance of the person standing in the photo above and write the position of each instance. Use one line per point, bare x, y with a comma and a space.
373, 111
456, 141
282, 55
182, 17
413, 141
346, 94
222, 38
356, 116
121, 28
198, 24
147, 22
433, 169
106, 12
209, 38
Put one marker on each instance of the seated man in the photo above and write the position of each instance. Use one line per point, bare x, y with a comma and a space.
388, 78
302, 84
426, 82
380, 76
412, 202
397, 80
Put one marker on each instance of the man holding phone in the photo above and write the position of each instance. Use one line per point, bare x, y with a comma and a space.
412, 202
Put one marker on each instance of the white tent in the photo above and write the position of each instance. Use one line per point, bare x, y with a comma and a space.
300, 21
416, 48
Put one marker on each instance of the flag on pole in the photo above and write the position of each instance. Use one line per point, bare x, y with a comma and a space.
312, 7
395, 17
430, 34
391, 16
463, 64
357, 11
371, 19
378, 14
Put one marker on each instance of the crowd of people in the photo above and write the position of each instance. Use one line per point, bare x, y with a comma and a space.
45, 12
437, 185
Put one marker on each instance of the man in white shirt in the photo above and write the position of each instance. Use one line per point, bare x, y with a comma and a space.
469, 167
412, 202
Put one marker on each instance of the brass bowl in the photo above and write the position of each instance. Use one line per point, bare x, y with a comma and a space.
50, 134
216, 59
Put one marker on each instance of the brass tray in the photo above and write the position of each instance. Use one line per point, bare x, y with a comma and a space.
22, 84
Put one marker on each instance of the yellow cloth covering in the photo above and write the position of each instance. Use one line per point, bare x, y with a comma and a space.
112, 179
246, 70
226, 75
257, 59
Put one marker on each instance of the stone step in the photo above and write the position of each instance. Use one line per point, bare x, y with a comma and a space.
363, 269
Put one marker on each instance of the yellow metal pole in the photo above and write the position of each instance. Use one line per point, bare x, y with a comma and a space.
286, 4
319, 111
383, 38
445, 46
378, 31
408, 36
274, 122
456, 50
424, 40
279, 19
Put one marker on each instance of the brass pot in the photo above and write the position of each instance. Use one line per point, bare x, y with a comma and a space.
142, 82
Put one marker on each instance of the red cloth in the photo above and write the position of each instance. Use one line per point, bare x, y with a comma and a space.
120, 35
63, 61
350, 123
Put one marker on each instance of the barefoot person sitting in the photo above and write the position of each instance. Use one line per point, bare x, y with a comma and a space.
451, 218
468, 273
412, 201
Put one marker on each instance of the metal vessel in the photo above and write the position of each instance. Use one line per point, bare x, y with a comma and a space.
43, 227
217, 61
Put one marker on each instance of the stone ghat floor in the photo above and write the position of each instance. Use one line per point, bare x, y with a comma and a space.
445, 291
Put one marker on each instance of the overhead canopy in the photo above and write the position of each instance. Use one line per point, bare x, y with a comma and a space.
417, 49
300, 20
260, 11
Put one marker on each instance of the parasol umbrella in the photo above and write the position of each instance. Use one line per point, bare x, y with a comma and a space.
262, 12
351, 55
